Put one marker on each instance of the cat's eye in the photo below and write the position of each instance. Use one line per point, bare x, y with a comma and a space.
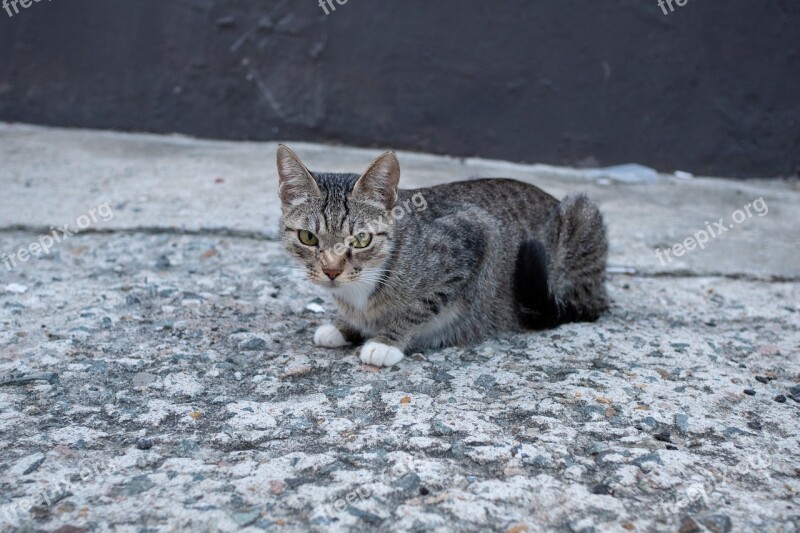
362, 239
307, 238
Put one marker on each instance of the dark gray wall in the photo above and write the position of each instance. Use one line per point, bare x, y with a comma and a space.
711, 88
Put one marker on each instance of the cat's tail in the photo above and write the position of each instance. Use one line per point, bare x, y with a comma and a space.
561, 280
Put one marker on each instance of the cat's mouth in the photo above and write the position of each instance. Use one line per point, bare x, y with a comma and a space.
336, 283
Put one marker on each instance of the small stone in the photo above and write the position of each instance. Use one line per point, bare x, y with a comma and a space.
717, 523
296, 371
755, 424
138, 485
26, 465
485, 381
244, 519
366, 516
315, 308
187, 448
602, 488
442, 376
408, 483
688, 525
780, 398
144, 443
664, 436
733, 431
762, 379
253, 344
69, 529
16, 288
750, 392
682, 422
143, 379
276, 487
440, 428
50, 377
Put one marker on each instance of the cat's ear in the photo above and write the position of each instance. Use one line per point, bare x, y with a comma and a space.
297, 185
379, 183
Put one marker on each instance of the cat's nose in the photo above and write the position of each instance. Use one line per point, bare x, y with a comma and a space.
332, 273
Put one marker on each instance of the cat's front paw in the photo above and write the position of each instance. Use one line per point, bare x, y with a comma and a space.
329, 336
377, 354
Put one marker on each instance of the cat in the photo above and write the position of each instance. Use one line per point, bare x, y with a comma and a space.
485, 256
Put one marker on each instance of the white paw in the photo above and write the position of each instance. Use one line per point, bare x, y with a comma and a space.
377, 354
329, 336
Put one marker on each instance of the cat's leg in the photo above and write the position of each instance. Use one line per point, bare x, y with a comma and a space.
336, 335
429, 309
381, 351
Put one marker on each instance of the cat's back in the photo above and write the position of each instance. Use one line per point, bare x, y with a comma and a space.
505, 199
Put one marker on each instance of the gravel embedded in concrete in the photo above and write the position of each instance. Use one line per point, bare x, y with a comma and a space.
179, 389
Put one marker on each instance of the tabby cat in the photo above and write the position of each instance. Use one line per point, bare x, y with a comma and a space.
482, 257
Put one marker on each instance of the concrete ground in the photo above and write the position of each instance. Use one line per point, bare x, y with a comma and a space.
157, 371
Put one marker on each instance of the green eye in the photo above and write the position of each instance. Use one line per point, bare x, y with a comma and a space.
307, 238
362, 240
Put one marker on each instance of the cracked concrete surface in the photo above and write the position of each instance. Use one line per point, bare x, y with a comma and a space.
157, 371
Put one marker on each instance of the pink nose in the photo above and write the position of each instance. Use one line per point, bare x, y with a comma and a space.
332, 273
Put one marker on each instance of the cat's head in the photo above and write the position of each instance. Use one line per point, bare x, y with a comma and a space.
338, 225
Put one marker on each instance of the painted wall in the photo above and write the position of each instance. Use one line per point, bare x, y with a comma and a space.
712, 87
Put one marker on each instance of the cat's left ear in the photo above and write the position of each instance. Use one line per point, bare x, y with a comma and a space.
378, 184
297, 184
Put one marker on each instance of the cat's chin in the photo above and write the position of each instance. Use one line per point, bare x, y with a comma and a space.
354, 293
332, 285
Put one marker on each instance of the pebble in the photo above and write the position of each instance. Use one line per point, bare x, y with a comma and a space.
245, 519
780, 398
750, 392
408, 483
717, 523
26, 465
16, 288
253, 344
602, 489
664, 436
682, 422
50, 377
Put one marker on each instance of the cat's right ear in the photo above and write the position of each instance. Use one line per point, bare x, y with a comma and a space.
297, 185
378, 184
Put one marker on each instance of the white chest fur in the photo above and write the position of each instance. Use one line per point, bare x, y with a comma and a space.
355, 295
